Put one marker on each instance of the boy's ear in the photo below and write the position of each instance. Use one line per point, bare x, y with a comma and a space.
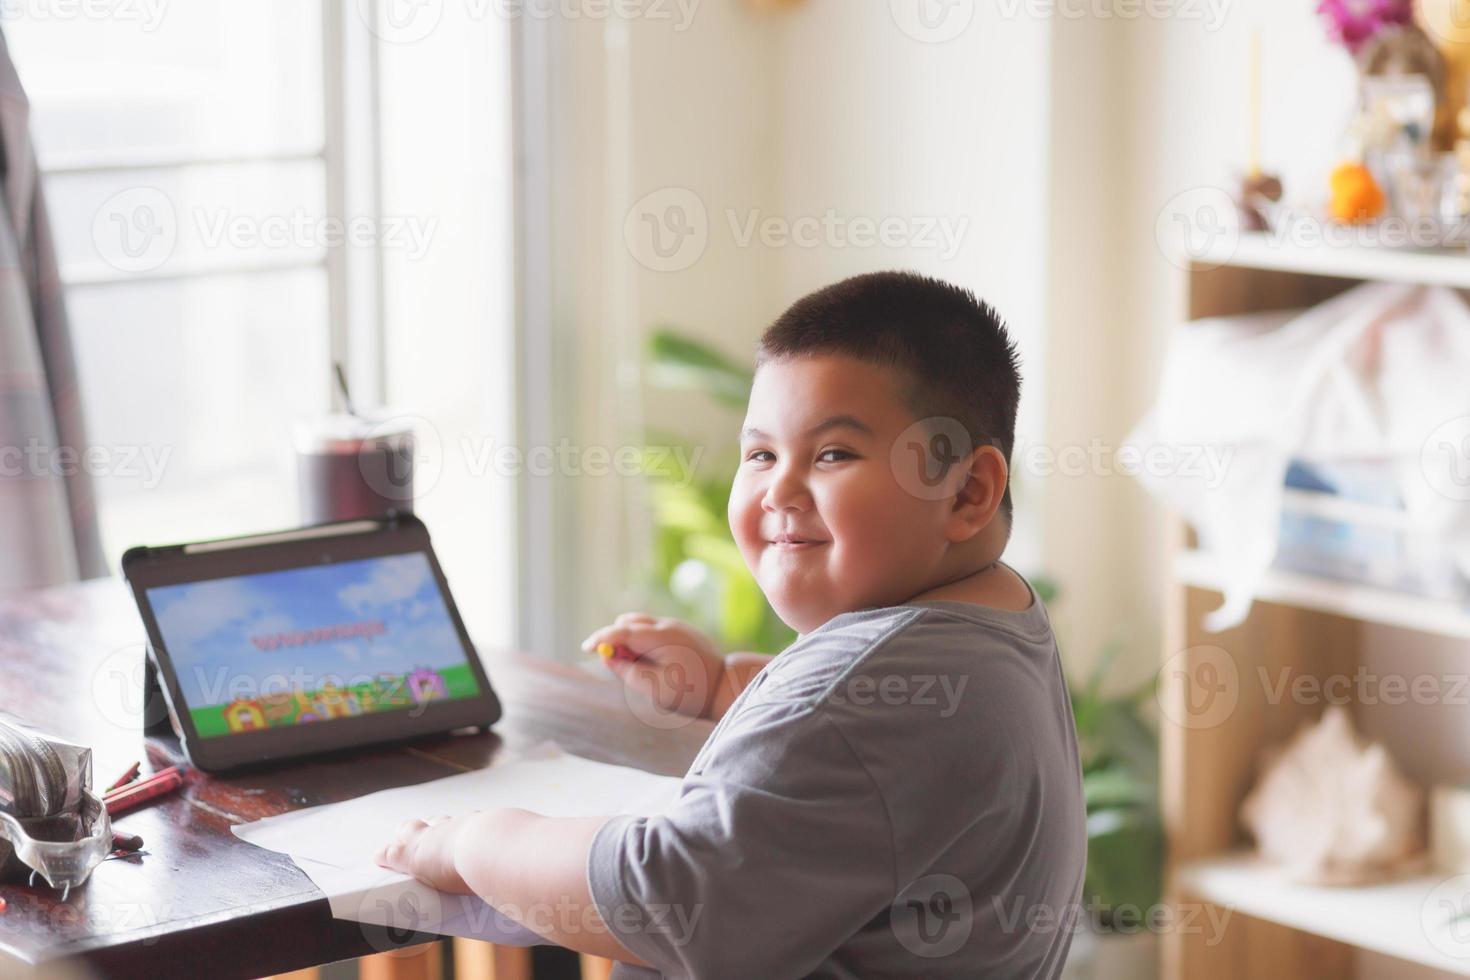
980, 494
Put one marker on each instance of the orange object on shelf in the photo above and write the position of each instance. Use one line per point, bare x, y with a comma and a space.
1356, 196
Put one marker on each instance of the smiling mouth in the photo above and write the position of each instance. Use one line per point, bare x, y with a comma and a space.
786, 543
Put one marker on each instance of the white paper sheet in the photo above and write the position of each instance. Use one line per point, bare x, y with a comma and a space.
335, 844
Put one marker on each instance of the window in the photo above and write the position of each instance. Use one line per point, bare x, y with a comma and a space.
183, 154
233, 187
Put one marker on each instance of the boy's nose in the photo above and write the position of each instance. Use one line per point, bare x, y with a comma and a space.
786, 491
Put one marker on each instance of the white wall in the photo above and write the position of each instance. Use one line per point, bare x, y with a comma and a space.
828, 112
879, 123
448, 306
1058, 141
655, 107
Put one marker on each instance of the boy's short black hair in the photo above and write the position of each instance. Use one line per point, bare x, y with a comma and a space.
957, 359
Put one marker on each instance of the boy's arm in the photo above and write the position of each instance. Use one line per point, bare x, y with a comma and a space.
528, 867
739, 670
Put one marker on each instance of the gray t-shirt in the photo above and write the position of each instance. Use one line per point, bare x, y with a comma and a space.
897, 794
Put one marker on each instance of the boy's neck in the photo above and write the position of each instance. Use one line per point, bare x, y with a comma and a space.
976, 575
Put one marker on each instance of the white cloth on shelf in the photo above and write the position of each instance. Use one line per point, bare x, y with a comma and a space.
1380, 372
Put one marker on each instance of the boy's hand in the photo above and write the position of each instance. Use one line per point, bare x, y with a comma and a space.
425, 849
678, 667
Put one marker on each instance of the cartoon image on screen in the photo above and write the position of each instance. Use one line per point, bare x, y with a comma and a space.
311, 644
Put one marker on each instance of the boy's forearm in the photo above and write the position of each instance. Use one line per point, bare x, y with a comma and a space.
739, 670
533, 869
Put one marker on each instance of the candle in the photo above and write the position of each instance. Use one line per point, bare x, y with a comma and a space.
1255, 103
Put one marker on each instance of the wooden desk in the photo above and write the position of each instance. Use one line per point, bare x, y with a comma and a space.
201, 902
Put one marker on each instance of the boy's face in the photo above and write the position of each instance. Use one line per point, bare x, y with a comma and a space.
817, 506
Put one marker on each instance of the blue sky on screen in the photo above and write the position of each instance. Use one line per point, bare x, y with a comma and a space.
208, 627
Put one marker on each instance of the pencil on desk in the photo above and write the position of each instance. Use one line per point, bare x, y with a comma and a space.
125, 778
160, 783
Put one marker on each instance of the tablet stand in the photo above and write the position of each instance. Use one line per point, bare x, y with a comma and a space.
155, 708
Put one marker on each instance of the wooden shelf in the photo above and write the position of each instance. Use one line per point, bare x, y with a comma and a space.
1402, 918
1259, 250
1362, 602
1305, 624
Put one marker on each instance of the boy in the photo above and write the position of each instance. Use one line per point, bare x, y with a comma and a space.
898, 793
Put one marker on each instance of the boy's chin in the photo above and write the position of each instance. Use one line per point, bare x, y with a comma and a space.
801, 616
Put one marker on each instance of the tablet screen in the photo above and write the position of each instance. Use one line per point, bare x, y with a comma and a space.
312, 644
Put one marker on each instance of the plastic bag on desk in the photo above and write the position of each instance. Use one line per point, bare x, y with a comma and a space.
51, 823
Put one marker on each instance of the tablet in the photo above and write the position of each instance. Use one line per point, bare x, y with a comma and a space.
291, 644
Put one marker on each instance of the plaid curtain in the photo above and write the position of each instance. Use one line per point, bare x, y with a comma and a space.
48, 518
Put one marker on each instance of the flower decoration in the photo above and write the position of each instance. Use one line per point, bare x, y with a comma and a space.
1354, 22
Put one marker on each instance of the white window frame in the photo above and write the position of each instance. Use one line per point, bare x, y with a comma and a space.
352, 166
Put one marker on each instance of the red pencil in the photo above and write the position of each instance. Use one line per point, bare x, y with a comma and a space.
125, 778
151, 778
143, 791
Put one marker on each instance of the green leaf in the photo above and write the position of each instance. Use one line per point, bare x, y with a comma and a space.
1101, 668
1046, 588
683, 509
744, 608
1115, 787
1125, 859
679, 362
1128, 740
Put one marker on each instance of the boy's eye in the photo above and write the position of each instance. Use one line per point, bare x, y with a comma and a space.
760, 456
835, 456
